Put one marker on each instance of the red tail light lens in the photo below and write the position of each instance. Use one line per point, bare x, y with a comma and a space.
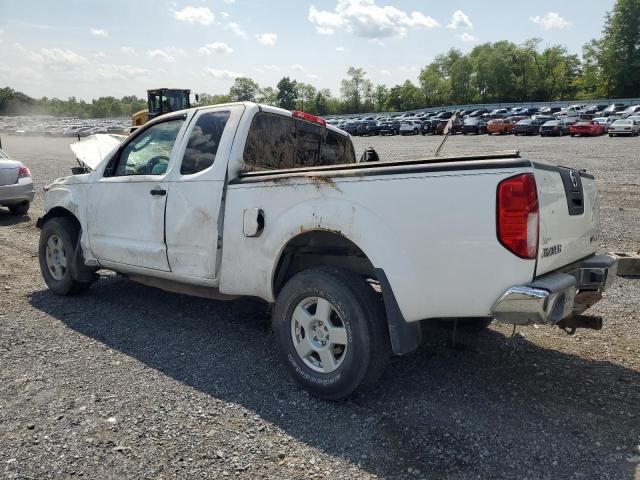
518, 215
309, 118
23, 172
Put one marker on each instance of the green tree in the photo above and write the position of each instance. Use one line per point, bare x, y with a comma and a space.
244, 90
380, 97
354, 87
433, 85
267, 96
306, 96
287, 93
618, 52
321, 104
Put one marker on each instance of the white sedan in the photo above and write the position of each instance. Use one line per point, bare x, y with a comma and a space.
624, 127
16, 185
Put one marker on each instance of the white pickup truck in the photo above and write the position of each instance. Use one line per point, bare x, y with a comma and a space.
249, 200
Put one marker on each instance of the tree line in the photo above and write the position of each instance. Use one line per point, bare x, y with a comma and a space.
490, 73
17, 103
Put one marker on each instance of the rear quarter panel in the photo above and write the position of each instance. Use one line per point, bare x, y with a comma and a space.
434, 234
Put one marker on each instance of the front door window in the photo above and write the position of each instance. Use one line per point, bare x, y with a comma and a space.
149, 152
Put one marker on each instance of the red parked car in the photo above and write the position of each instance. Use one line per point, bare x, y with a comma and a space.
589, 128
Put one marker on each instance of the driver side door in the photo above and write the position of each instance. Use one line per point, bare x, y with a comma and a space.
127, 204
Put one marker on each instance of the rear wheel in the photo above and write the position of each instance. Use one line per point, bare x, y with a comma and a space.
331, 332
19, 208
58, 240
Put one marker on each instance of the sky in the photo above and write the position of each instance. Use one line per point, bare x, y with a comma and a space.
93, 48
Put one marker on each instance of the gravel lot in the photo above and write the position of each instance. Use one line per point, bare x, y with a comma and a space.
131, 382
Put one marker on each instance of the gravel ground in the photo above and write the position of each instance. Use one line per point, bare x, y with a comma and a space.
131, 382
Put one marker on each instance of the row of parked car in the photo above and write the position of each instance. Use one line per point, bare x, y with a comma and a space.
575, 120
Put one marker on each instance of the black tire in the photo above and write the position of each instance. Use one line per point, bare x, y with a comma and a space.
19, 208
68, 232
361, 314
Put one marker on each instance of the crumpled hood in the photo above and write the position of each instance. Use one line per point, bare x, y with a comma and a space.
95, 148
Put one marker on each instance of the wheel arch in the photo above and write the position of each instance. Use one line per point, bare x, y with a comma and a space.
57, 212
322, 248
319, 247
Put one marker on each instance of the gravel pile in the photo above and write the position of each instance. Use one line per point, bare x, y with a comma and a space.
131, 382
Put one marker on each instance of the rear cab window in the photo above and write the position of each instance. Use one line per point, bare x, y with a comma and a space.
277, 142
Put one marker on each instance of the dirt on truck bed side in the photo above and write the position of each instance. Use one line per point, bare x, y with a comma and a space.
128, 381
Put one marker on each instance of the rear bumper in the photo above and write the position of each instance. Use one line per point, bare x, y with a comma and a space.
559, 295
17, 193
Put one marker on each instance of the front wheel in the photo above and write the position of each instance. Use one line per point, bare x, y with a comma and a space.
58, 240
331, 332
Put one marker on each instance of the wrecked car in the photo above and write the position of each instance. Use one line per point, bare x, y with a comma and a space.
249, 200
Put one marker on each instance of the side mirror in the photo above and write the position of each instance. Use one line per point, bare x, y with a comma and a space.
197, 98
79, 170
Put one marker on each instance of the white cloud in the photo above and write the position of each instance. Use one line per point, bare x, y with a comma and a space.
161, 55
223, 74
201, 15
366, 19
340, 49
550, 21
224, 14
467, 37
127, 51
297, 68
120, 72
99, 32
312, 76
385, 72
58, 59
235, 28
219, 48
268, 39
229, 1
460, 20
274, 68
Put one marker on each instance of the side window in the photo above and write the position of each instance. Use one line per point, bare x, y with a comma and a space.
336, 149
271, 143
278, 142
203, 142
149, 152
308, 139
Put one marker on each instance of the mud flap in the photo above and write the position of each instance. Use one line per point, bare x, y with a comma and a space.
405, 336
79, 271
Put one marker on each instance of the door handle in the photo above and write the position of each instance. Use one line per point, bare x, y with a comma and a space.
159, 192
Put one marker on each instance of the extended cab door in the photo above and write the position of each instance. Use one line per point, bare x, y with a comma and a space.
195, 207
126, 206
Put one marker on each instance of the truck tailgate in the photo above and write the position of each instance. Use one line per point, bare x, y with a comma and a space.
569, 216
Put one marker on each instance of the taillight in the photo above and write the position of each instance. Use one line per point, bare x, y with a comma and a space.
309, 118
23, 172
518, 215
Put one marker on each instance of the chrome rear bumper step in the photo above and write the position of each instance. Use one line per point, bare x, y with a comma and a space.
556, 296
